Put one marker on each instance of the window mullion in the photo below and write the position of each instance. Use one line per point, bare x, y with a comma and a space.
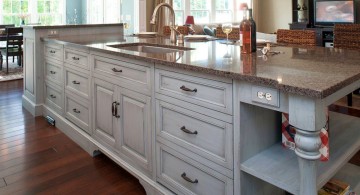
213, 11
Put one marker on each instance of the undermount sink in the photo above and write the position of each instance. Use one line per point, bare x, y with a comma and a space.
149, 48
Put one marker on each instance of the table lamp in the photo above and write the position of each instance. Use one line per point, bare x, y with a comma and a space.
189, 22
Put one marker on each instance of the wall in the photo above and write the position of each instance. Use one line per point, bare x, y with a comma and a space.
273, 14
71, 5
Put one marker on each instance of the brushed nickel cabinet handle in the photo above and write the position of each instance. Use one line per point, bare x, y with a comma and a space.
116, 70
75, 58
52, 51
183, 128
188, 179
187, 89
114, 109
52, 96
76, 111
76, 82
52, 72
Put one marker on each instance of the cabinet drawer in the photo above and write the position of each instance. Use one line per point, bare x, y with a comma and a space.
54, 97
77, 111
212, 94
54, 51
186, 176
203, 135
133, 76
77, 58
77, 82
53, 71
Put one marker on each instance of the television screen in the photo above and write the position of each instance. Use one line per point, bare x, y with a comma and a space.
335, 12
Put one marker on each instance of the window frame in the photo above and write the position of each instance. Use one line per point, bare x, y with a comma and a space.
32, 10
236, 14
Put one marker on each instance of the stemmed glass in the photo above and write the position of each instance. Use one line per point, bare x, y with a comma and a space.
227, 28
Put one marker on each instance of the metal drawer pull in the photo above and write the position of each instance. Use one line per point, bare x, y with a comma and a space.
75, 58
52, 72
187, 89
52, 96
188, 179
116, 70
76, 111
114, 109
76, 82
183, 128
52, 51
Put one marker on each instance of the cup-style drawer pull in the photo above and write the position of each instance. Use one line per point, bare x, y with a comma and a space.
76, 82
183, 128
52, 51
52, 72
75, 58
116, 70
187, 89
188, 179
52, 96
76, 110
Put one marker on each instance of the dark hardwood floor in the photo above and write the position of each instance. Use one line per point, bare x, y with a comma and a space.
36, 158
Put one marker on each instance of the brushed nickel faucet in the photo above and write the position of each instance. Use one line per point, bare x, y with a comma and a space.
172, 24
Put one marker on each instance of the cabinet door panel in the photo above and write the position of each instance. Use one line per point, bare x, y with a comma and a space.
105, 122
135, 136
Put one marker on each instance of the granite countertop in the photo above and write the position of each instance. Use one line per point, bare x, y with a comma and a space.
68, 26
315, 72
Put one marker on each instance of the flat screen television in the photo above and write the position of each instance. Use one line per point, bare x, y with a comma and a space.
330, 12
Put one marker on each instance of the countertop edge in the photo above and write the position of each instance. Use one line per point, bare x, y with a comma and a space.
70, 26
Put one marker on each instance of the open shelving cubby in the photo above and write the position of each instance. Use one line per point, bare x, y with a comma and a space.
276, 165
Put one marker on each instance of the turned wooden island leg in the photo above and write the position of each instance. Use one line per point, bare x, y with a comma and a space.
307, 149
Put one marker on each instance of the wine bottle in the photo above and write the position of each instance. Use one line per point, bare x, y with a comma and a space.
253, 31
245, 34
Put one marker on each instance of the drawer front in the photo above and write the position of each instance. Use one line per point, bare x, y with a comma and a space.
77, 82
138, 77
77, 58
206, 136
204, 92
53, 71
77, 111
54, 97
185, 176
54, 51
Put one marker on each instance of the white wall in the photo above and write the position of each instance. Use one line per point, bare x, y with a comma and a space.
273, 14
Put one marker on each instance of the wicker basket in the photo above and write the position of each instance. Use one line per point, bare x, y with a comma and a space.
182, 29
296, 37
347, 36
234, 35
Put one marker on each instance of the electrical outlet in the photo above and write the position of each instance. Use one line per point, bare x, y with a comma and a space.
53, 33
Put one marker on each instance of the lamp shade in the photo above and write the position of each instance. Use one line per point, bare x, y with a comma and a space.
244, 6
189, 20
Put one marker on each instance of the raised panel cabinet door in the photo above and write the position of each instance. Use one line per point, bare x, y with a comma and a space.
135, 127
105, 108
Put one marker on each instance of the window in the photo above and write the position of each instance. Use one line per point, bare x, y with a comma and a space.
208, 11
103, 11
37, 11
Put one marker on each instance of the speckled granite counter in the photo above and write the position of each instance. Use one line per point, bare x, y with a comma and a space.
314, 72
69, 26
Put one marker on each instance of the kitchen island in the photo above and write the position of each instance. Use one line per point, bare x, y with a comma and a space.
194, 118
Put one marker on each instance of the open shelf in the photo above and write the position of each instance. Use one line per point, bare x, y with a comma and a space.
279, 166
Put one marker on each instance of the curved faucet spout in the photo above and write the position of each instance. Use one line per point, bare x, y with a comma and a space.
172, 23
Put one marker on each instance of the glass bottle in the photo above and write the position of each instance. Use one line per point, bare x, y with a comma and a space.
245, 34
253, 31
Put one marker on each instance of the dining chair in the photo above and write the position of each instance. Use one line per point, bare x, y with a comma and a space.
347, 36
296, 37
14, 42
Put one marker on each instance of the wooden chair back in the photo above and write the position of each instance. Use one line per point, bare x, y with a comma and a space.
296, 37
14, 41
347, 36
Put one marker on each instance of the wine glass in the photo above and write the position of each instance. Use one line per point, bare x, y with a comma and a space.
227, 28
126, 27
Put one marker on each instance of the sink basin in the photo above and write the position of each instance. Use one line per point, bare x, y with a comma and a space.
149, 48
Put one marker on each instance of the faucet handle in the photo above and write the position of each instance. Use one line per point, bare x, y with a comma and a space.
174, 28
